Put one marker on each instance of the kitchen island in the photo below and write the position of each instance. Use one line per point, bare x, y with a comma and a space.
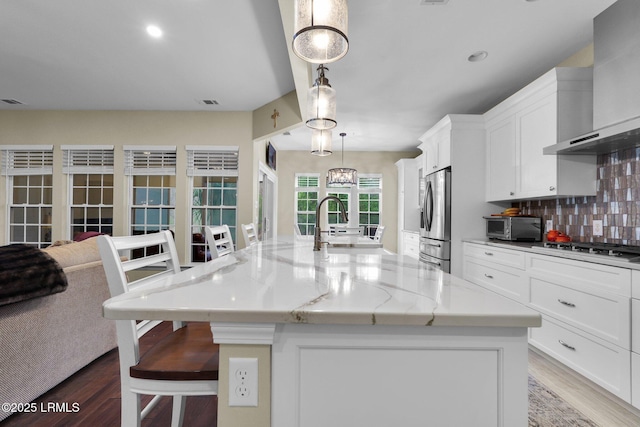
356, 338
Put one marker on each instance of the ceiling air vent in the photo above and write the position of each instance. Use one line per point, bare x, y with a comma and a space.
433, 2
12, 101
209, 102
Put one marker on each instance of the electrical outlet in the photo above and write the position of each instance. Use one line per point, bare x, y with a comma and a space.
549, 225
597, 227
243, 381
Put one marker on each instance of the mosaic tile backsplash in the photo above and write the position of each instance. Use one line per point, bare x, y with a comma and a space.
616, 203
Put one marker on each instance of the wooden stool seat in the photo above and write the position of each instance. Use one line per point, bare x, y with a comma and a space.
186, 354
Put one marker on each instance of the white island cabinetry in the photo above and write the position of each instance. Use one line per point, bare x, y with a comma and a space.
353, 338
555, 107
585, 307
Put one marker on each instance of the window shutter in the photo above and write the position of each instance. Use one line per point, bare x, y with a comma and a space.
370, 182
27, 160
213, 161
308, 181
87, 160
150, 160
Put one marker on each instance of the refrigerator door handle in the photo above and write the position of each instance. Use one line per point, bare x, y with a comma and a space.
428, 210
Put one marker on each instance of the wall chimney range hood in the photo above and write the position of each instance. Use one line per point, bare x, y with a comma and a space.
612, 138
616, 87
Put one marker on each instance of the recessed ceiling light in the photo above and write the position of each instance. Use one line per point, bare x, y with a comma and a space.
478, 56
154, 31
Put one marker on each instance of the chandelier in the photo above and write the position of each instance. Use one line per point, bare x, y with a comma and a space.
321, 142
320, 30
342, 176
321, 103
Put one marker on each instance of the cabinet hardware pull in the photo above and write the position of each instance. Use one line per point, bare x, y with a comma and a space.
489, 253
552, 188
488, 276
568, 304
511, 193
567, 345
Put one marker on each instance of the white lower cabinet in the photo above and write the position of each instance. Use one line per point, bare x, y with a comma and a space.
635, 339
602, 362
594, 298
586, 310
503, 280
411, 244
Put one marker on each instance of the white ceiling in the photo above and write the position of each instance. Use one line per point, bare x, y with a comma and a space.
406, 67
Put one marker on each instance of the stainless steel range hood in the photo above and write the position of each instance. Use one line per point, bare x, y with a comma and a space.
616, 88
616, 137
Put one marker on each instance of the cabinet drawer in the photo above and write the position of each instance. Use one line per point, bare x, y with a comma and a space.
506, 281
603, 363
411, 245
581, 275
411, 238
411, 250
635, 284
635, 327
510, 258
635, 380
579, 309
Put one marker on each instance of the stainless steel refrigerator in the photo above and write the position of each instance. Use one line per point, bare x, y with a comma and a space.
435, 220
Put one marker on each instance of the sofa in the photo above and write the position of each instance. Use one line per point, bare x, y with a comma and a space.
45, 340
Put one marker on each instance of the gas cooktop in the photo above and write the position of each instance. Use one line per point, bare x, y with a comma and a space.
619, 251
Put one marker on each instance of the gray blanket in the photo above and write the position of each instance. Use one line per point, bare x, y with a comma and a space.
27, 272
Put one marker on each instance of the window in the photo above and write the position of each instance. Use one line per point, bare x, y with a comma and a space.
30, 197
369, 202
306, 199
152, 188
214, 172
90, 171
333, 209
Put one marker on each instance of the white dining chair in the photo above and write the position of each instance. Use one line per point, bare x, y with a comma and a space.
184, 362
219, 240
379, 233
249, 234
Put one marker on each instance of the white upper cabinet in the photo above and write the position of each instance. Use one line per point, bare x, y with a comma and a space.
436, 147
555, 107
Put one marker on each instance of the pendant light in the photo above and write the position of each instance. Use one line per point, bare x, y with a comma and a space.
320, 30
342, 176
321, 103
321, 142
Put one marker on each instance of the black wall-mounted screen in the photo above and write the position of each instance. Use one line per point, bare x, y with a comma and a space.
271, 156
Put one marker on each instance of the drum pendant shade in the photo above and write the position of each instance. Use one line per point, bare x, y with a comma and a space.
321, 103
320, 30
321, 142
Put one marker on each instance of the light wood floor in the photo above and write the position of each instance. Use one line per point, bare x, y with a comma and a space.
593, 401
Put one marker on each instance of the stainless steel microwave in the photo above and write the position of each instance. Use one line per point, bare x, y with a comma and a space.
514, 228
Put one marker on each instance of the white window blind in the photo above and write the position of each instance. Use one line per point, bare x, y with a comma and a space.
27, 160
369, 182
150, 160
87, 160
305, 181
214, 161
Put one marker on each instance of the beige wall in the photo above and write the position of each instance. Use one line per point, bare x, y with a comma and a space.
292, 162
119, 128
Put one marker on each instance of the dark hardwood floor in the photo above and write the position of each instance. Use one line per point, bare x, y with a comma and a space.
96, 390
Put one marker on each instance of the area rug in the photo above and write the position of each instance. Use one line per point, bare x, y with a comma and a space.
547, 409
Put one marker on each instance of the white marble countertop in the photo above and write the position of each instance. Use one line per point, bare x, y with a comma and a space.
285, 281
578, 256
